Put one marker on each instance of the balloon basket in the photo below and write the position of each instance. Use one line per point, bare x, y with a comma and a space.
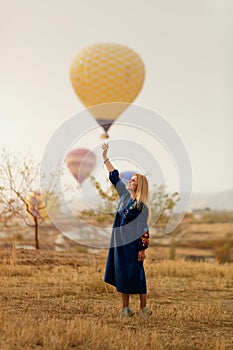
104, 136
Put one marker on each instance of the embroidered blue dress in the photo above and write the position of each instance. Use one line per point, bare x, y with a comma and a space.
129, 235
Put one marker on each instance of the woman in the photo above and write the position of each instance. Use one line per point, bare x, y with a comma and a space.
130, 236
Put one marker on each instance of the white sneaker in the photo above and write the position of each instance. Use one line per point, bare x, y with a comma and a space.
145, 312
126, 312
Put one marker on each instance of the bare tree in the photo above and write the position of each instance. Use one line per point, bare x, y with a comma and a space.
20, 194
162, 204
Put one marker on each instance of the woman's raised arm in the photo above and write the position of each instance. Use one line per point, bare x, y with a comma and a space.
107, 162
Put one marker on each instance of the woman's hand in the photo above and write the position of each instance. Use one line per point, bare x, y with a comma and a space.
105, 147
141, 255
107, 162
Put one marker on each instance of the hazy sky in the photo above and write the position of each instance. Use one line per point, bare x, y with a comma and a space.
186, 46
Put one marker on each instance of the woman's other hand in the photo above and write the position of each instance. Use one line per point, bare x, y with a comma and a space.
141, 255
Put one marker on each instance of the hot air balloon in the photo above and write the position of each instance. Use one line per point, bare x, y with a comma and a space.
36, 205
80, 162
126, 175
107, 73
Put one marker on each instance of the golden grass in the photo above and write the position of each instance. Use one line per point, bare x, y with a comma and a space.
59, 301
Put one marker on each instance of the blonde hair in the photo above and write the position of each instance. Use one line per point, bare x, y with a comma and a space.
142, 192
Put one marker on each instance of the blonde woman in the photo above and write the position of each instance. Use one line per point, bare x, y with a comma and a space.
129, 240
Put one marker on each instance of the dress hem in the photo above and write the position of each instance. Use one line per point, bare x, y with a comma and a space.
126, 292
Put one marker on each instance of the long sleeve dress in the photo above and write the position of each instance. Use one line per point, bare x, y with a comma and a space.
130, 234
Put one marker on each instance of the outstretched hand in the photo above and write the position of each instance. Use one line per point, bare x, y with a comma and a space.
105, 147
107, 162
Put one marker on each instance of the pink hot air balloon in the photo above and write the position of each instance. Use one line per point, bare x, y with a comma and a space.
80, 162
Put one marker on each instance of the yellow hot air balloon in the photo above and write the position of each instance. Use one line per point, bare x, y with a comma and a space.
106, 73
36, 205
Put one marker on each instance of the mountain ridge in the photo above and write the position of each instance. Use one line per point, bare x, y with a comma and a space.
222, 200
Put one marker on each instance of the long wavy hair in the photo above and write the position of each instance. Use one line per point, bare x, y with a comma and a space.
142, 192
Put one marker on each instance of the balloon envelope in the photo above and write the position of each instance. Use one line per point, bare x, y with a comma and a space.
36, 205
126, 175
80, 162
106, 73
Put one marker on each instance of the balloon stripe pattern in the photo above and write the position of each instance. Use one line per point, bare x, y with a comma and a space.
80, 162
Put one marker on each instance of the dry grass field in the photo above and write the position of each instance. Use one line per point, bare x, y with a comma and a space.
58, 300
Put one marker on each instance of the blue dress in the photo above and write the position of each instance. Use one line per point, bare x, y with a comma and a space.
129, 235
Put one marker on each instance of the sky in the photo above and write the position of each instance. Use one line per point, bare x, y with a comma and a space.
186, 47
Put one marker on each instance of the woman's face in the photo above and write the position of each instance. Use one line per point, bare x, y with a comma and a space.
133, 184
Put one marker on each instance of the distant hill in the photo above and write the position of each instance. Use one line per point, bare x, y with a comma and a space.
216, 201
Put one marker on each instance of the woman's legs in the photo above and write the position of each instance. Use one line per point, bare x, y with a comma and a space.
142, 300
125, 300
126, 311
144, 312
